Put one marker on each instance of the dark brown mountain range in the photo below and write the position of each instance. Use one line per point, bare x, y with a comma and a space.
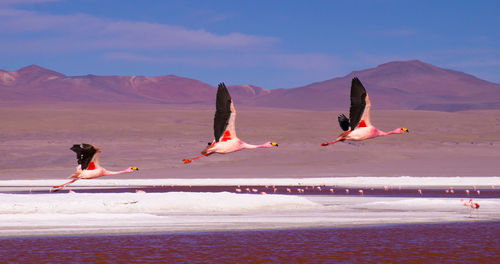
393, 85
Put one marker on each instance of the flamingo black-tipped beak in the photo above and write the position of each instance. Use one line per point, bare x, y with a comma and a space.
274, 144
135, 168
406, 130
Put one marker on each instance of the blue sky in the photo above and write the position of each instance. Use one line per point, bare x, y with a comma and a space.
271, 44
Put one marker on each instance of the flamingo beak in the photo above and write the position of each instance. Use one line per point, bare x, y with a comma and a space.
135, 168
405, 130
274, 144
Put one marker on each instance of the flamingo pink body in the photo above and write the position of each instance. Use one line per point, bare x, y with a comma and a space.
97, 172
362, 133
235, 144
232, 145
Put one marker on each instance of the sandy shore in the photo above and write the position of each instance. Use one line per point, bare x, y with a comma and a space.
35, 142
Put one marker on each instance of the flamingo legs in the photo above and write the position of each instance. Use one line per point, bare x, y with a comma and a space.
342, 137
332, 142
186, 161
60, 187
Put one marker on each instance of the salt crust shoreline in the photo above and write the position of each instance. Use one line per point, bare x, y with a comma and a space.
403, 181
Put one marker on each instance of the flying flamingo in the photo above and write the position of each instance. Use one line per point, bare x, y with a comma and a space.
226, 140
358, 126
88, 165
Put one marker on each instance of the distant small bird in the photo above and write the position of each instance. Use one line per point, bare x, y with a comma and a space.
225, 129
88, 165
358, 126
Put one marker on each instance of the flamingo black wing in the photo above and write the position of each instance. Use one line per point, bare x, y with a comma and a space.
343, 122
84, 154
358, 103
223, 111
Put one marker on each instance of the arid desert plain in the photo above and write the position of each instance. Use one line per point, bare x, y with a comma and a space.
36, 138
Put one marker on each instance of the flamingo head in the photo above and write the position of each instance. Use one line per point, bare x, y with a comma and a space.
131, 169
404, 130
271, 144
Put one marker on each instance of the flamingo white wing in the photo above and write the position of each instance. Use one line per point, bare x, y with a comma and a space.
366, 112
95, 159
230, 132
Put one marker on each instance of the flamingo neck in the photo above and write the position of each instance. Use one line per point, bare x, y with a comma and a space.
250, 146
395, 131
116, 172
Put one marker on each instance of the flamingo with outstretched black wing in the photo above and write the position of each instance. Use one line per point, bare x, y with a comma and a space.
88, 167
358, 126
226, 140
